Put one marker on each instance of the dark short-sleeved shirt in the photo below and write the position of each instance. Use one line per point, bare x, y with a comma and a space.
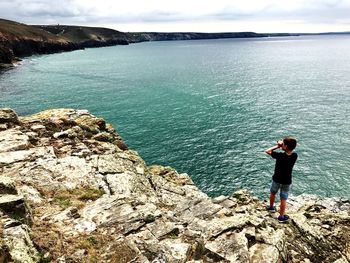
284, 166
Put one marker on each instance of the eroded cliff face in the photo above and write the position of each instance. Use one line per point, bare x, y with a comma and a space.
20, 40
72, 191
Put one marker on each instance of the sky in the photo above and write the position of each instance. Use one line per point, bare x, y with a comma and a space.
262, 16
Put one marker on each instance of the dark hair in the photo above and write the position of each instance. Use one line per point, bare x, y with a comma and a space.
290, 142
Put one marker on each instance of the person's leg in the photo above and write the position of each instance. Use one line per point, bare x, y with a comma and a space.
284, 196
283, 206
272, 199
273, 191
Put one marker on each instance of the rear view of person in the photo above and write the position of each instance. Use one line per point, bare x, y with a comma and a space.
282, 177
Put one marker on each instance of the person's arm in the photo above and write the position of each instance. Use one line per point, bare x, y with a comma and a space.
270, 150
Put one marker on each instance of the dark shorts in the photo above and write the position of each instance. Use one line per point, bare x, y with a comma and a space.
284, 189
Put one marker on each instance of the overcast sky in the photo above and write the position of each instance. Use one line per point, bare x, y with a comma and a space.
186, 15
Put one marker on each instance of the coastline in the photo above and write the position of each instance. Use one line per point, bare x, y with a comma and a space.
19, 40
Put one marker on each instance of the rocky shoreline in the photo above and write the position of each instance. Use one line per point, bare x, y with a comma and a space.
72, 191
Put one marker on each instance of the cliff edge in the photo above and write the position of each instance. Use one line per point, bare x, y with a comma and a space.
72, 191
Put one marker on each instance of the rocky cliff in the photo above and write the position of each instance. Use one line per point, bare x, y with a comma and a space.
19, 40
72, 191
158, 36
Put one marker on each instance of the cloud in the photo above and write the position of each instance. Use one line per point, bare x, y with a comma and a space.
326, 11
42, 10
92, 12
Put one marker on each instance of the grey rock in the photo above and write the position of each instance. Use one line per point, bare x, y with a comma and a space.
30, 193
162, 229
205, 209
8, 115
38, 127
13, 140
103, 137
80, 254
108, 164
271, 236
263, 253
3, 126
70, 171
7, 186
130, 184
91, 123
243, 196
21, 247
229, 203
9, 222
33, 136
177, 250
12, 203
13, 157
232, 247
217, 226
85, 226
61, 134
220, 199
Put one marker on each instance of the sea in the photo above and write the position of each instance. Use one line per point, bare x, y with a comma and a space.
209, 108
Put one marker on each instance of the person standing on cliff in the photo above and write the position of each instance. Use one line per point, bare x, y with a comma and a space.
282, 177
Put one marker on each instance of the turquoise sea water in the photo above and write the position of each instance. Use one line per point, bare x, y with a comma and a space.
210, 107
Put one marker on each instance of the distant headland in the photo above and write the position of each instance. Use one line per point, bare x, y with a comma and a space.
20, 40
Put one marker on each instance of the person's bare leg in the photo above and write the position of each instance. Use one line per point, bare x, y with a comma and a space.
272, 199
283, 206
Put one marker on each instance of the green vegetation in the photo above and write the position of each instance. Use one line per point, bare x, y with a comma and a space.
17, 216
92, 240
74, 197
62, 201
91, 194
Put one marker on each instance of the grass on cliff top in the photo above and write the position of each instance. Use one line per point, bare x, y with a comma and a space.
58, 33
14, 30
78, 34
73, 197
93, 247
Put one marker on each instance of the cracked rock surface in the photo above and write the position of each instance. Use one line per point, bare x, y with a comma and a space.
72, 191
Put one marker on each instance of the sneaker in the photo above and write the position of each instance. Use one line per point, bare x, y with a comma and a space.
283, 219
271, 209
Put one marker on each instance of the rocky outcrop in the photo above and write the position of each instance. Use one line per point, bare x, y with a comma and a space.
72, 191
6, 55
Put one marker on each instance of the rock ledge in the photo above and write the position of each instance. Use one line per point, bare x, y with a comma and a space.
72, 191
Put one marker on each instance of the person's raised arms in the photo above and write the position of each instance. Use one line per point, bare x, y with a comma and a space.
278, 145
